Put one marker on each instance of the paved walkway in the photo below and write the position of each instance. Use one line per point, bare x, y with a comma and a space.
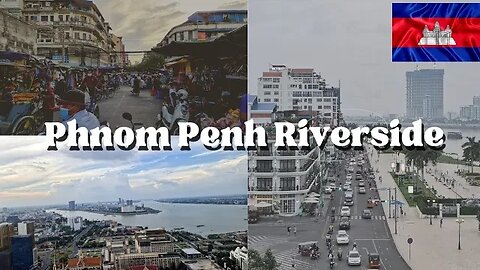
461, 187
433, 247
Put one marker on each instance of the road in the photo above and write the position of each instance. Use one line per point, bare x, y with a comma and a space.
144, 108
370, 235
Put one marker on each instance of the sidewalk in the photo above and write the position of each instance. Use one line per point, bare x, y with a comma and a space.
463, 189
433, 247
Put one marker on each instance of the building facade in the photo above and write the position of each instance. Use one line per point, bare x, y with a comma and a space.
281, 179
13, 7
205, 26
300, 89
70, 31
22, 252
154, 240
6, 232
16, 34
425, 94
471, 112
119, 57
160, 260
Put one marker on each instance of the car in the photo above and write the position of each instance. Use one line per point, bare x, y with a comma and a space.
367, 214
348, 202
349, 194
328, 190
361, 183
342, 238
354, 258
348, 182
362, 190
344, 223
333, 186
349, 177
345, 211
346, 186
358, 176
372, 176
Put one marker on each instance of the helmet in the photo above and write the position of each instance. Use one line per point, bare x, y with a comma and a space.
182, 94
74, 97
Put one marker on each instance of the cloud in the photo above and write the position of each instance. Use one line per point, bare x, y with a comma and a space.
38, 177
239, 4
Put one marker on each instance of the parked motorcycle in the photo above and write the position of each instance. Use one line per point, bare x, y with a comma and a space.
171, 116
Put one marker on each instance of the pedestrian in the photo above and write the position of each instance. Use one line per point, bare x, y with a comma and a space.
441, 222
288, 229
295, 230
401, 211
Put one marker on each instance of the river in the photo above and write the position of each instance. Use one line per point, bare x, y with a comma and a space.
455, 146
215, 218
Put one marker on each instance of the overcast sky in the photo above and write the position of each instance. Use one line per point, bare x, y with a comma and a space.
144, 23
29, 175
347, 40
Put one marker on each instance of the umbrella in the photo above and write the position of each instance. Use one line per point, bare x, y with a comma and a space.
263, 204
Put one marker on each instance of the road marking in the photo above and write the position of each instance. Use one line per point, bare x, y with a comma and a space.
374, 239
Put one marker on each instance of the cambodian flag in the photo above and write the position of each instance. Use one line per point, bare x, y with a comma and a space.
436, 32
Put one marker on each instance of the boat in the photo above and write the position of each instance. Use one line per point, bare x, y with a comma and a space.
201, 225
178, 229
454, 135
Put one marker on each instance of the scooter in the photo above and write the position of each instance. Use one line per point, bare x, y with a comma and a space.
332, 263
170, 117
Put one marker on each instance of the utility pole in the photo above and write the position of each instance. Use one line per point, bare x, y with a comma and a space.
395, 212
389, 203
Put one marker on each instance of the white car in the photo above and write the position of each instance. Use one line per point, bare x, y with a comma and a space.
328, 190
345, 211
354, 258
346, 186
362, 190
348, 182
342, 238
333, 186
361, 183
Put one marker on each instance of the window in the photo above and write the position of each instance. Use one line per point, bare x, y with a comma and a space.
319, 100
275, 100
264, 166
52, 18
327, 100
267, 86
33, 18
305, 107
44, 18
287, 165
319, 107
299, 86
84, 36
67, 18
276, 93
67, 35
264, 184
287, 183
327, 107
267, 100
276, 80
26, 18
60, 18
297, 94
267, 93
276, 86
77, 35
309, 101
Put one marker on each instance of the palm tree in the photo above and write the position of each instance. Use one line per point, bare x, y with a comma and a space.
421, 158
471, 150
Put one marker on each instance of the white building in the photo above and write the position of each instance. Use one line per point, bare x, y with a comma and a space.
300, 89
240, 255
260, 112
471, 112
75, 223
25, 228
14, 7
17, 35
281, 179
128, 209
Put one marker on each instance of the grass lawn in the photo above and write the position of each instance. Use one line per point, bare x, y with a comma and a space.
403, 185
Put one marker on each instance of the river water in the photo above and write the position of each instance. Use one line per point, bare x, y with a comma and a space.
215, 218
455, 146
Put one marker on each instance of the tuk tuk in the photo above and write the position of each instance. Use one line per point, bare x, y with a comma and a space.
370, 203
373, 261
306, 248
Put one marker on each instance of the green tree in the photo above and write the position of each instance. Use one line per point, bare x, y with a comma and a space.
269, 261
471, 151
421, 158
255, 260
151, 61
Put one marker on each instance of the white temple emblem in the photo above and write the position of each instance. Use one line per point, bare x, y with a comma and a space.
437, 36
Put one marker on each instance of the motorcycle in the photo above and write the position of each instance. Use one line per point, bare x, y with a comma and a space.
339, 255
332, 263
128, 116
171, 116
314, 255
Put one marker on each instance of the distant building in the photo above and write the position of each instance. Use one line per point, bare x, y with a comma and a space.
190, 253
71, 205
22, 252
240, 256
119, 57
261, 112
6, 259
425, 94
128, 209
26, 228
75, 223
160, 260
154, 240
471, 112
300, 89
201, 264
206, 26
85, 263
114, 247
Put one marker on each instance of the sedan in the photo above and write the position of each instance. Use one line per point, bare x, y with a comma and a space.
344, 223
345, 211
361, 183
342, 238
362, 190
367, 214
348, 182
346, 186
354, 258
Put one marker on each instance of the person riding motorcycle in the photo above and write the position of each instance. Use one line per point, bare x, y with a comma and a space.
339, 254
73, 108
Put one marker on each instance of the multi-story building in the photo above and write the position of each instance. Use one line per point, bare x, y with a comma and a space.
154, 240
85, 263
425, 94
22, 252
281, 179
6, 232
70, 31
119, 57
160, 260
71, 205
471, 112
75, 223
13, 7
300, 89
26, 228
16, 34
240, 256
114, 247
205, 26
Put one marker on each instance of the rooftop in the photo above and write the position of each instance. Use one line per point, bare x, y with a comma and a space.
85, 262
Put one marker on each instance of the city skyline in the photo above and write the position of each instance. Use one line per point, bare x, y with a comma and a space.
32, 176
301, 36
161, 15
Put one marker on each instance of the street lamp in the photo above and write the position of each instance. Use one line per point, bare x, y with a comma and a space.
459, 221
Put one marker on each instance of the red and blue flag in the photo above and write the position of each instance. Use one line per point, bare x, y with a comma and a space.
436, 32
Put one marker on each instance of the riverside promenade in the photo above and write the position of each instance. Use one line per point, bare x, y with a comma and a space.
433, 247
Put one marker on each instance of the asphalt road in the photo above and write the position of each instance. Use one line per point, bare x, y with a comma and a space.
144, 108
371, 236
